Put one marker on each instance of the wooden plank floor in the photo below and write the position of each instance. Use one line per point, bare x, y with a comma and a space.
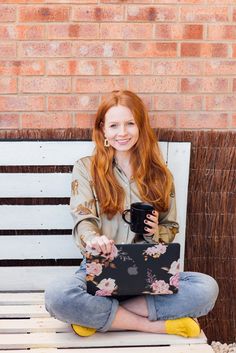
25, 324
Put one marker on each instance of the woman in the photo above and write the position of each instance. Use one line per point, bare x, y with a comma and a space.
126, 167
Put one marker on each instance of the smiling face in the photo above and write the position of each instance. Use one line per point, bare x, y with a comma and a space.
120, 128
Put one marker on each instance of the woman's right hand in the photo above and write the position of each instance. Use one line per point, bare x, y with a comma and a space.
101, 244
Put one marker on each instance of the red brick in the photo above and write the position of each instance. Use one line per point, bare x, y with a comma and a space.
75, 102
97, 13
7, 13
73, 31
221, 102
22, 67
153, 84
47, 121
151, 13
178, 31
234, 50
234, 84
104, 84
28, 32
152, 49
193, 84
216, 67
203, 121
84, 121
7, 32
203, 14
9, 121
234, 13
7, 50
44, 13
99, 49
73, 67
118, 1
45, 49
218, 32
126, 31
163, 120
180, 1
204, 50
8, 85
45, 84
178, 67
170, 102
233, 124
126, 67
21, 103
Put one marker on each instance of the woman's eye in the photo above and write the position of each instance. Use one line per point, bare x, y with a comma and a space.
131, 123
113, 125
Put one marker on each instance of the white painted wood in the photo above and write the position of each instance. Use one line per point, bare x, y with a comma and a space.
18, 185
44, 152
35, 217
17, 311
47, 152
178, 163
108, 339
44, 184
57, 216
39, 247
190, 348
32, 278
21, 298
33, 325
205, 348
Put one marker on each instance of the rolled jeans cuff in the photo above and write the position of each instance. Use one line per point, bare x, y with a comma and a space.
152, 314
114, 308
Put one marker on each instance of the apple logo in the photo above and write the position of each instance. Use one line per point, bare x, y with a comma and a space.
133, 271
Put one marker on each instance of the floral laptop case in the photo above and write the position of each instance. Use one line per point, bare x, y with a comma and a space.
133, 269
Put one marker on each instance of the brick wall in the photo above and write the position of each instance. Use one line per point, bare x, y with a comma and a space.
58, 57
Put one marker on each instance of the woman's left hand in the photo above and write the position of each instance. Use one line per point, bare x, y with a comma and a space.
151, 223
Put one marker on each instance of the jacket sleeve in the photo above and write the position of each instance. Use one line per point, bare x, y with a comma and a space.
83, 206
168, 226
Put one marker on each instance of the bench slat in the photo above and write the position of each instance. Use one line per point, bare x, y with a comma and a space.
110, 339
44, 152
21, 298
17, 311
17, 185
33, 325
35, 217
39, 247
169, 349
32, 278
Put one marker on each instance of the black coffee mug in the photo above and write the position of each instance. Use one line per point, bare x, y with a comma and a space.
138, 214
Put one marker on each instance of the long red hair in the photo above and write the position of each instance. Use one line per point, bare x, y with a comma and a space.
152, 177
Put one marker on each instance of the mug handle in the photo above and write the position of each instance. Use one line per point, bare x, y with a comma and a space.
124, 214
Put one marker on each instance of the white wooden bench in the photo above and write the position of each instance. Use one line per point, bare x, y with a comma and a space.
36, 246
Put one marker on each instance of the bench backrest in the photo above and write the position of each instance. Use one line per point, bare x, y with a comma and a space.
36, 245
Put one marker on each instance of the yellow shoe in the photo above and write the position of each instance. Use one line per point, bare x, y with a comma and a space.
185, 326
83, 331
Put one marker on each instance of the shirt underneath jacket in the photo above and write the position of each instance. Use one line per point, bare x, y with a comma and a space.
89, 222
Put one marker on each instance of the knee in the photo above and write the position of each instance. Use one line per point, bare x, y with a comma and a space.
207, 291
54, 298
210, 288
58, 299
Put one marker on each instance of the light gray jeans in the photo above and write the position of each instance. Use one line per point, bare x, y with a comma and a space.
69, 301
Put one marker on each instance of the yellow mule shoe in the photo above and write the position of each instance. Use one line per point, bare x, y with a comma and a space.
185, 326
83, 331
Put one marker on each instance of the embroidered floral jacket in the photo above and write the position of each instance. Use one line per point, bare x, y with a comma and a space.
89, 222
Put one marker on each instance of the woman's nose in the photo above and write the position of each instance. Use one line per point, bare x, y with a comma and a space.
122, 130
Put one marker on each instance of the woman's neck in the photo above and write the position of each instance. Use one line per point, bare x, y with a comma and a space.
123, 160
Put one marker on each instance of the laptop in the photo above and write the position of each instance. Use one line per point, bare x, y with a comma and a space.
133, 269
